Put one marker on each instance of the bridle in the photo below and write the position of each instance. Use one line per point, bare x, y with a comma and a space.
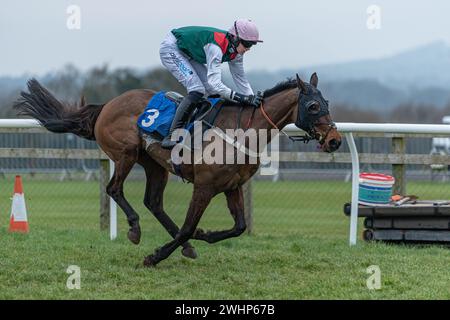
322, 138
306, 123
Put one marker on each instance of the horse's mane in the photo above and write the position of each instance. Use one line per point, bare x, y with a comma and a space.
281, 86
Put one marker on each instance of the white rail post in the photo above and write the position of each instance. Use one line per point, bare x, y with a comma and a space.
355, 188
112, 208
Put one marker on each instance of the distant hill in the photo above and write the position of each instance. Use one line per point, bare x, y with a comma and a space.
419, 76
7, 84
424, 66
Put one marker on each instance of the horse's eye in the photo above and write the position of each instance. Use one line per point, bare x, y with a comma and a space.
313, 107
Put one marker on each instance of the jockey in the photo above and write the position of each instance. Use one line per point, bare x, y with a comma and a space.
194, 56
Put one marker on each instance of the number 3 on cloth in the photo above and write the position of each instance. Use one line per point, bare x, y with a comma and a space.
152, 114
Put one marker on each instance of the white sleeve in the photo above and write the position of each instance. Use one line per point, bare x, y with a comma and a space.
238, 74
214, 74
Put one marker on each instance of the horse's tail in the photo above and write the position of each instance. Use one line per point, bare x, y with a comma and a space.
56, 116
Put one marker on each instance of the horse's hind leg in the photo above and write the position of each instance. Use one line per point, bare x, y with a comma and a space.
157, 178
200, 200
235, 201
114, 189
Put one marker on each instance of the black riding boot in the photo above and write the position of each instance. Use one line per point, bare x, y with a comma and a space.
185, 108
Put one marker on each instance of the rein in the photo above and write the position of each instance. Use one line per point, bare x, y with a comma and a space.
305, 139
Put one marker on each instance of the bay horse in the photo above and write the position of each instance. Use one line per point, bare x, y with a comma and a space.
113, 126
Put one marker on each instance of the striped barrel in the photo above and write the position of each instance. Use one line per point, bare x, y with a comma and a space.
375, 188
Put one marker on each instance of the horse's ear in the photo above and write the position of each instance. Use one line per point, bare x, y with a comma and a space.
301, 85
82, 101
314, 81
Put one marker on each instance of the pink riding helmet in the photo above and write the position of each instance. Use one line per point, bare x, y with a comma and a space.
245, 29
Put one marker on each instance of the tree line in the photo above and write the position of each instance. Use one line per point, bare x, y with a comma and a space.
101, 84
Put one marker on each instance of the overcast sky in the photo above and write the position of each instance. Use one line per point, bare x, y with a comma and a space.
34, 37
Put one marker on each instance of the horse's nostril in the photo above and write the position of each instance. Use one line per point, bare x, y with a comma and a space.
334, 144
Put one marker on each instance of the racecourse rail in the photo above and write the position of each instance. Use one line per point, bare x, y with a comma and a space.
398, 159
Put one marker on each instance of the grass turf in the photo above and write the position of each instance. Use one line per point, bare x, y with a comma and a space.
299, 248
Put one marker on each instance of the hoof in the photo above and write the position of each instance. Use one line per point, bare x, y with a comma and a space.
149, 262
189, 252
134, 235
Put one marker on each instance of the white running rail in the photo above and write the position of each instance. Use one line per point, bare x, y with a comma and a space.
347, 128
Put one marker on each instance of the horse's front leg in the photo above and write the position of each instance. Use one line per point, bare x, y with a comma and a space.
200, 200
235, 201
157, 178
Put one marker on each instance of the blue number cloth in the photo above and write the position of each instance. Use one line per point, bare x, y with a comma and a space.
159, 113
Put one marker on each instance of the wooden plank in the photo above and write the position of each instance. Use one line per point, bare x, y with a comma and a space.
379, 223
284, 156
24, 130
412, 235
420, 223
52, 153
372, 158
428, 223
399, 170
422, 235
416, 210
406, 210
392, 235
397, 135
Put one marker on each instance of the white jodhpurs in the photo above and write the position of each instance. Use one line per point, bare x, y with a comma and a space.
184, 69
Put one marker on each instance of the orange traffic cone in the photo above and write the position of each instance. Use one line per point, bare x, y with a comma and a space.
18, 221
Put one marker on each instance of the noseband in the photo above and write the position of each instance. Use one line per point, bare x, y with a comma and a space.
322, 138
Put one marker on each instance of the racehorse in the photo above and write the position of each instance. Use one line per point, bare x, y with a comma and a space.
113, 127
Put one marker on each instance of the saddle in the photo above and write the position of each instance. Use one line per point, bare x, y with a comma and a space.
206, 112
202, 108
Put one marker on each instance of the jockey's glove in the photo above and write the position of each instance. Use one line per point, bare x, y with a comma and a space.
248, 100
